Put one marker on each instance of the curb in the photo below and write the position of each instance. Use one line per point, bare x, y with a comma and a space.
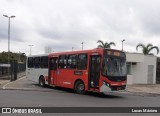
142, 92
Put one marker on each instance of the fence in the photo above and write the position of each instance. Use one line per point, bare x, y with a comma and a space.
4, 71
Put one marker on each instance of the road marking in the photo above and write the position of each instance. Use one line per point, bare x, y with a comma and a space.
15, 88
4, 86
5, 81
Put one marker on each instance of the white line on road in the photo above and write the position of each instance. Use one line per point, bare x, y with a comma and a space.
4, 86
13, 88
3, 82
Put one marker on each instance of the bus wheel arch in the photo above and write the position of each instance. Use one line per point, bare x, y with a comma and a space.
42, 81
79, 86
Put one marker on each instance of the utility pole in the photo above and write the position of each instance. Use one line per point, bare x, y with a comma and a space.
122, 43
72, 48
30, 49
82, 45
9, 17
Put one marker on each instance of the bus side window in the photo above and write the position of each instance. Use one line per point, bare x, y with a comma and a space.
53, 64
62, 61
30, 62
72, 61
44, 62
82, 62
37, 62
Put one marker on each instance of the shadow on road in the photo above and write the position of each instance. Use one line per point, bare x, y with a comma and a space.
92, 94
101, 95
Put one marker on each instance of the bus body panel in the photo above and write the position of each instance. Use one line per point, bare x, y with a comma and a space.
64, 79
83, 77
34, 74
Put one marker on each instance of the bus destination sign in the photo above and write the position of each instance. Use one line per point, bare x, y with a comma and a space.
114, 53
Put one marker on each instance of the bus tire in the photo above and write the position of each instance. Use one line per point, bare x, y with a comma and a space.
79, 87
41, 81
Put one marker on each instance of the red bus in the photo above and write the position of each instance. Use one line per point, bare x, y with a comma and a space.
100, 70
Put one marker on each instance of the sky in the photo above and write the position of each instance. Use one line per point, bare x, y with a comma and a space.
63, 24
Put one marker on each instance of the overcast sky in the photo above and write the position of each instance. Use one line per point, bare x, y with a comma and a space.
63, 24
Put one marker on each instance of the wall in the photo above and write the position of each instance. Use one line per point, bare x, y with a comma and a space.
138, 72
134, 57
150, 60
139, 68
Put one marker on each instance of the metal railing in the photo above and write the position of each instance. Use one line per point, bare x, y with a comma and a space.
4, 72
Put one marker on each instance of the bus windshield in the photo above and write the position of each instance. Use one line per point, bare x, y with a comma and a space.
114, 66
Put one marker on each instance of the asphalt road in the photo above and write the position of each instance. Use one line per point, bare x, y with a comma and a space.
23, 93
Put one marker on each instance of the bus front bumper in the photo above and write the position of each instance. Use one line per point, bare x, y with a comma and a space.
106, 89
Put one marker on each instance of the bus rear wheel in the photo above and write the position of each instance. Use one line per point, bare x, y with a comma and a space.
41, 81
79, 87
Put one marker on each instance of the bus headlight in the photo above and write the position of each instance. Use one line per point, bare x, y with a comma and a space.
105, 83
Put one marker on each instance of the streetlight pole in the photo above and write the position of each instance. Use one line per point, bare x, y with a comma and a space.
30, 48
19, 57
72, 48
82, 45
122, 43
9, 17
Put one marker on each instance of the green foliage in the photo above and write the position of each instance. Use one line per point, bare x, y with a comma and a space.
147, 49
105, 45
20, 57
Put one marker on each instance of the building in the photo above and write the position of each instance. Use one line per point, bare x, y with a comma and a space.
47, 50
141, 69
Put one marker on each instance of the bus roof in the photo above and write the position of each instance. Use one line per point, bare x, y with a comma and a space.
38, 55
74, 52
82, 51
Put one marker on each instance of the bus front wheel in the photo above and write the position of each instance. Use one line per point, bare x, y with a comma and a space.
79, 87
41, 81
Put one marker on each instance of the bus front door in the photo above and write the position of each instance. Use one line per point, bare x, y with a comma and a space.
94, 73
52, 71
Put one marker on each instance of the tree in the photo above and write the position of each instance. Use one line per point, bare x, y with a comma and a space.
147, 49
20, 57
105, 45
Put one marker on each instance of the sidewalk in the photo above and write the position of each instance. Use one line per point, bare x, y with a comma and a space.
19, 75
144, 88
